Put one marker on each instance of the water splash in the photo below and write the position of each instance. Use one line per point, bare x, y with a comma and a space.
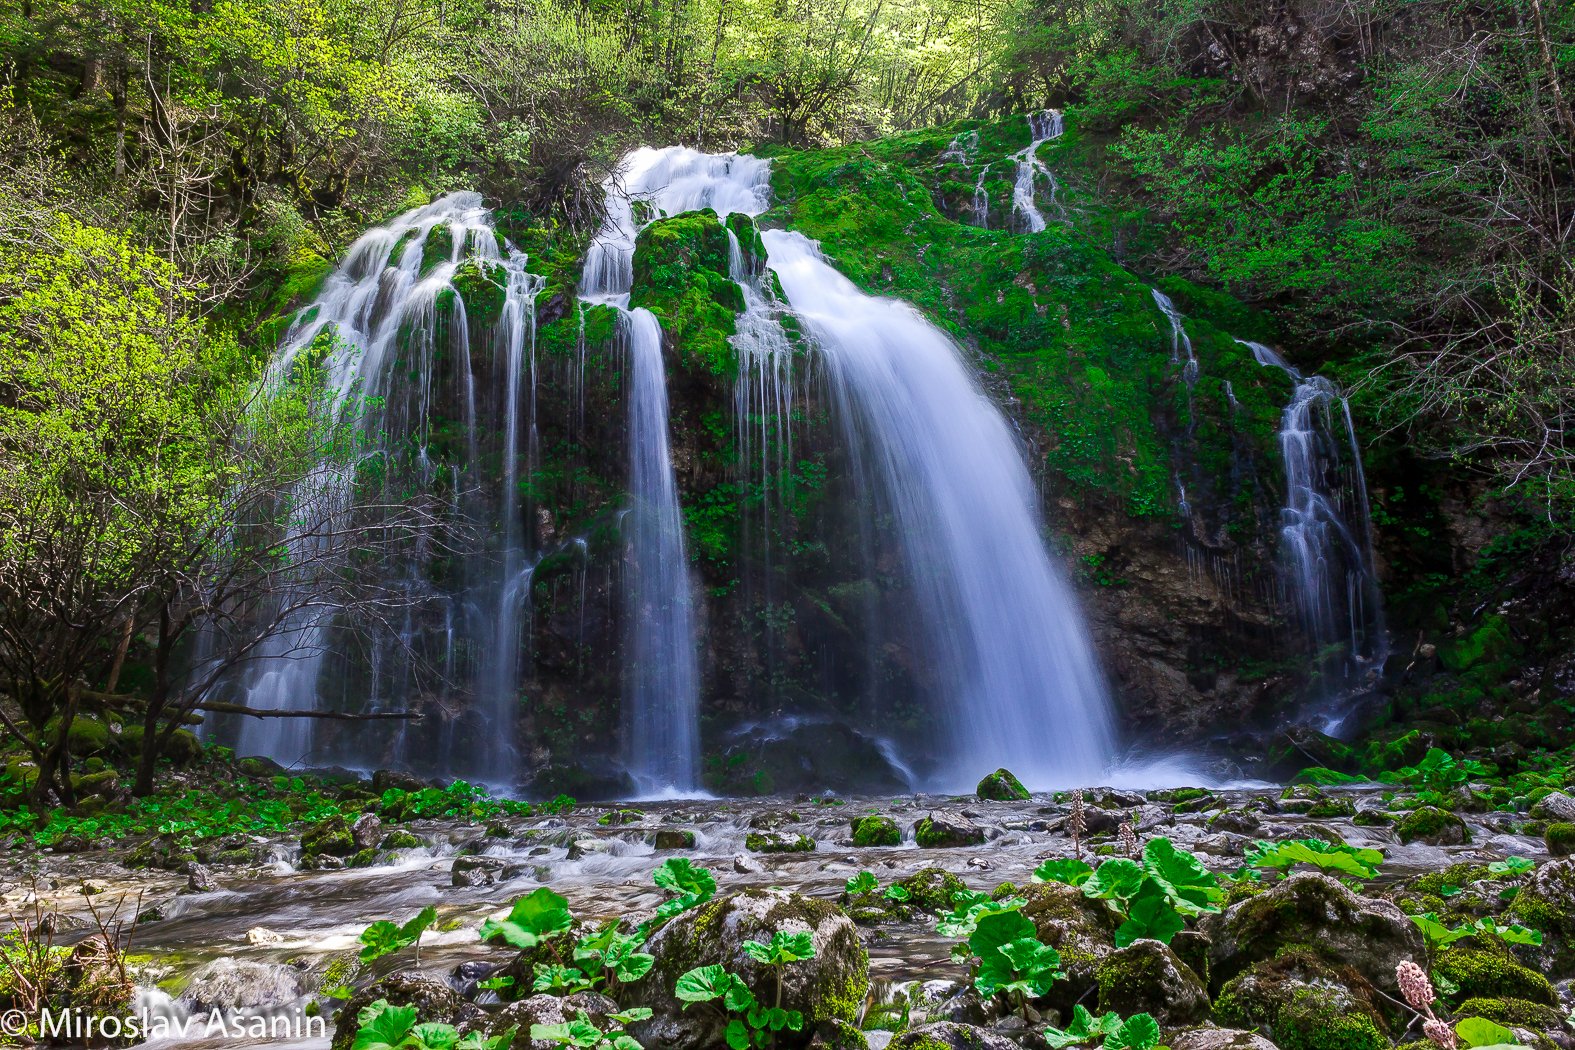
1019, 681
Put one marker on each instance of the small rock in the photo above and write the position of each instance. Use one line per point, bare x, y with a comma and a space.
1146, 977
673, 838
366, 830
476, 871
581, 848
746, 865
262, 937
1237, 822
1208, 1037
948, 1035
199, 880
942, 831
1556, 807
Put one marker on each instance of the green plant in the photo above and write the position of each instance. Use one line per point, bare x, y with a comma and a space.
542, 916
1138, 1032
580, 1032
1438, 935
1064, 870
384, 938
969, 907
605, 956
1513, 866
689, 884
862, 883
1012, 960
1156, 897
1325, 856
756, 1025
1478, 1033
1438, 772
381, 1026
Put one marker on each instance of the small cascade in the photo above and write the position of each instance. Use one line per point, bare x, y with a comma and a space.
1179, 339
661, 665
1014, 662
1327, 534
981, 200
402, 348
1043, 126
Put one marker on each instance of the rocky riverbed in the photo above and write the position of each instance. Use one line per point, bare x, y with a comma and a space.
268, 927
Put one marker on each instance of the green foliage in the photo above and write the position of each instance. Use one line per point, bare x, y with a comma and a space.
689, 883
1138, 1032
1066, 870
970, 906
542, 916
863, 882
385, 938
1438, 935
382, 1026
582, 1033
1478, 1033
785, 947
1012, 961
1156, 897
756, 1025
1325, 856
1438, 772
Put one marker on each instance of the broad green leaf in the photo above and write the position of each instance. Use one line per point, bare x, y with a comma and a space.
1138, 1032
383, 1027
704, 983
1118, 879
539, 917
863, 882
1067, 870
1191, 887
1480, 1032
1151, 915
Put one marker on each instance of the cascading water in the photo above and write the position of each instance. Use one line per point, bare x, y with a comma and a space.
1043, 126
1018, 675
393, 309
1179, 339
1327, 534
662, 675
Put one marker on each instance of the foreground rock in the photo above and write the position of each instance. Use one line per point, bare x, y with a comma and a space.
947, 1035
1368, 936
433, 999
1208, 1037
1146, 977
829, 987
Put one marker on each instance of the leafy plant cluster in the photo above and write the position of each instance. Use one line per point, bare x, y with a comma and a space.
1154, 897
751, 1023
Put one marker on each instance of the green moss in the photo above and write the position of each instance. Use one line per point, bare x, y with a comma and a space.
1519, 1012
931, 836
876, 830
1431, 824
437, 248
1002, 786
1455, 877
772, 843
681, 275
1560, 839
483, 287
1492, 973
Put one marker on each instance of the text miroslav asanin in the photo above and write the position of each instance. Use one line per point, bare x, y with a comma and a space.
78, 1024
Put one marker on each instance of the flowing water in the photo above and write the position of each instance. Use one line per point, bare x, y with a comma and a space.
1043, 126
661, 664
1326, 529
1018, 677
393, 310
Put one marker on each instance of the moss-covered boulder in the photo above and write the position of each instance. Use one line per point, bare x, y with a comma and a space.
1547, 903
1212, 1037
875, 830
830, 986
1560, 839
944, 831
1490, 972
483, 288
1301, 1003
927, 891
1437, 827
681, 275
778, 842
1517, 1012
1367, 935
327, 843
548, 1009
1002, 786
1080, 928
1146, 977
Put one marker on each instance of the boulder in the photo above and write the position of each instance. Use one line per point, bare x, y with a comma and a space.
1370, 936
1434, 826
943, 831
327, 838
1484, 972
199, 880
1547, 903
673, 838
1208, 1037
433, 999
548, 1009
1080, 928
830, 986
948, 1035
1557, 806
1001, 786
1299, 1001
366, 830
1146, 977
875, 830
778, 842
476, 871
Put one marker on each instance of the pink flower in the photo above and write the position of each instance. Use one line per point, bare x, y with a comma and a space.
1414, 985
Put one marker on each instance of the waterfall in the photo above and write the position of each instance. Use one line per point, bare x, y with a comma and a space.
402, 349
1020, 684
1042, 127
661, 666
1179, 339
1327, 535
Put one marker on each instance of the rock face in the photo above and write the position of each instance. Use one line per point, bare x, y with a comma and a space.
1547, 903
433, 999
948, 1035
1299, 1001
1369, 936
1147, 977
829, 986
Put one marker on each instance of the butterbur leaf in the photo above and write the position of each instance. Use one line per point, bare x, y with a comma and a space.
1191, 887
623, 1041
539, 917
795, 1020
863, 882
1066, 870
436, 1036
680, 876
1138, 1032
997, 929
737, 1035
1118, 879
897, 893
631, 1015
738, 997
635, 966
383, 1027
757, 951
1350, 860
1512, 866
579, 1032
1480, 1032
1151, 915
1514, 933
703, 984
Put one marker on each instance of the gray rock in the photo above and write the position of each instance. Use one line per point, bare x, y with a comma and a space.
581, 848
952, 1036
1208, 1037
200, 880
944, 831
1557, 807
1370, 936
476, 871
548, 1009
1146, 977
743, 864
673, 838
366, 830
433, 999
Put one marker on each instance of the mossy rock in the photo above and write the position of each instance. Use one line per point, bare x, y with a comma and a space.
1437, 827
1560, 839
1518, 1012
875, 830
483, 287
681, 275
434, 1001
939, 831
1002, 786
829, 987
1492, 973
1147, 977
778, 842
438, 248
87, 736
1301, 1003
331, 837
